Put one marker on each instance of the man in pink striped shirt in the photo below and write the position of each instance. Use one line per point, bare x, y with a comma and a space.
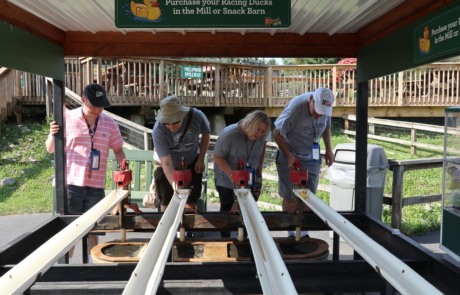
89, 135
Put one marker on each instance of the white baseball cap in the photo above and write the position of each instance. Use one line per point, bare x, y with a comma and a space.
324, 99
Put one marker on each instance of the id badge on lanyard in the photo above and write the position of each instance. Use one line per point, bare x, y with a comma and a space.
94, 159
252, 177
315, 153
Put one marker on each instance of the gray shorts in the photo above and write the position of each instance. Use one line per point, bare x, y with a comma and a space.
284, 181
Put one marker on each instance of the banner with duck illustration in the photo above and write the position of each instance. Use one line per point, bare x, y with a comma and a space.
437, 37
202, 13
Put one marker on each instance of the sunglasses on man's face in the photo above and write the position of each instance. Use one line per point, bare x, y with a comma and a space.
175, 123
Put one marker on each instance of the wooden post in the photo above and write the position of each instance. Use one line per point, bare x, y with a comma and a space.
400, 88
161, 81
334, 83
218, 92
146, 141
413, 138
268, 87
397, 195
99, 71
371, 129
346, 124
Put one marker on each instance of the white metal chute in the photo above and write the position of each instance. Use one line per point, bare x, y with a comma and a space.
392, 269
149, 271
24, 274
271, 270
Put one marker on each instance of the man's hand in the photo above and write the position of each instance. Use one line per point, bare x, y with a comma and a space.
199, 167
329, 156
291, 160
54, 128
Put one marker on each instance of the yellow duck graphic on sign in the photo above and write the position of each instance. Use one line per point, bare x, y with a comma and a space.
424, 43
150, 9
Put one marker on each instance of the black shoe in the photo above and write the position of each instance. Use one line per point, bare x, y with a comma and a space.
292, 235
225, 234
306, 236
189, 234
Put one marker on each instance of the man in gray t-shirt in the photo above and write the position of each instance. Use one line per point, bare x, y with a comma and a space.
303, 121
171, 145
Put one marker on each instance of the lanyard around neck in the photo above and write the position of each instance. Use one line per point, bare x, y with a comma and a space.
91, 132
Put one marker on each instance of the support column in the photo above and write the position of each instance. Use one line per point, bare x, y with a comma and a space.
217, 123
361, 147
59, 148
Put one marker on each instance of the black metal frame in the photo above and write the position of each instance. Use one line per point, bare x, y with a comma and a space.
236, 277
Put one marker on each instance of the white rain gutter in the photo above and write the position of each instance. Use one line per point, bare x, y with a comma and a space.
24, 274
271, 270
149, 271
393, 270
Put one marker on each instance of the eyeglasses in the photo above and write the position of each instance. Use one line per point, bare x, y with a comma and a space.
175, 123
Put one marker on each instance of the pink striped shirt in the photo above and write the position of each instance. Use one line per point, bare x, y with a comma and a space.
78, 148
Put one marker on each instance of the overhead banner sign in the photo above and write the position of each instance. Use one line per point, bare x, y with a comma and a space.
438, 36
203, 14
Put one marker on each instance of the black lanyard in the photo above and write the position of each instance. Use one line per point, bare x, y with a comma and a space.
315, 139
249, 152
91, 132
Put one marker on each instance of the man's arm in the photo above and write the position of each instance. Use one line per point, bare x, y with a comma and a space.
283, 147
168, 169
261, 161
199, 165
329, 156
119, 155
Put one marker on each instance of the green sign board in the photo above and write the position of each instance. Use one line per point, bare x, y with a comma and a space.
438, 36
192, 72
203, 13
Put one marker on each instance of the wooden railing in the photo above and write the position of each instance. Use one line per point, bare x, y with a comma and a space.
145, 81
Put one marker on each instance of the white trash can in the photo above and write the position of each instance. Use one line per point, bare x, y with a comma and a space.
342, 177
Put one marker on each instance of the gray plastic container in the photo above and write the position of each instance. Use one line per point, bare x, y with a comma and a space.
342, 177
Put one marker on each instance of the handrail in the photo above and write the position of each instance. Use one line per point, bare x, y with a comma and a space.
271, 270
24, 274
393, 270
148, 273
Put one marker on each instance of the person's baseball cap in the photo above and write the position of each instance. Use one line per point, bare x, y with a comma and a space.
96, 95
171, 110
324, 99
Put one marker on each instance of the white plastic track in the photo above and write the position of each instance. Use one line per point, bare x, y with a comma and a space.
24, 274
149, 271
393, 270
271, 270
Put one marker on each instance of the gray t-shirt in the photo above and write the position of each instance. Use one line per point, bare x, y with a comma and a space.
232, 145
298, 127
166, 142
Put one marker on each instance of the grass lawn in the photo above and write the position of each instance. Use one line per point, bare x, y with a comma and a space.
24, 159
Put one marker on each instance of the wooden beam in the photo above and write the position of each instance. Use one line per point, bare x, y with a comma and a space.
134, 44
402, 15
26, 21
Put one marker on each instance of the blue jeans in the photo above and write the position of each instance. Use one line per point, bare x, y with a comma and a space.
82, 198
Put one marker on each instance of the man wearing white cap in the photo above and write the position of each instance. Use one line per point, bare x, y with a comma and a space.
303, 121
175, 136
